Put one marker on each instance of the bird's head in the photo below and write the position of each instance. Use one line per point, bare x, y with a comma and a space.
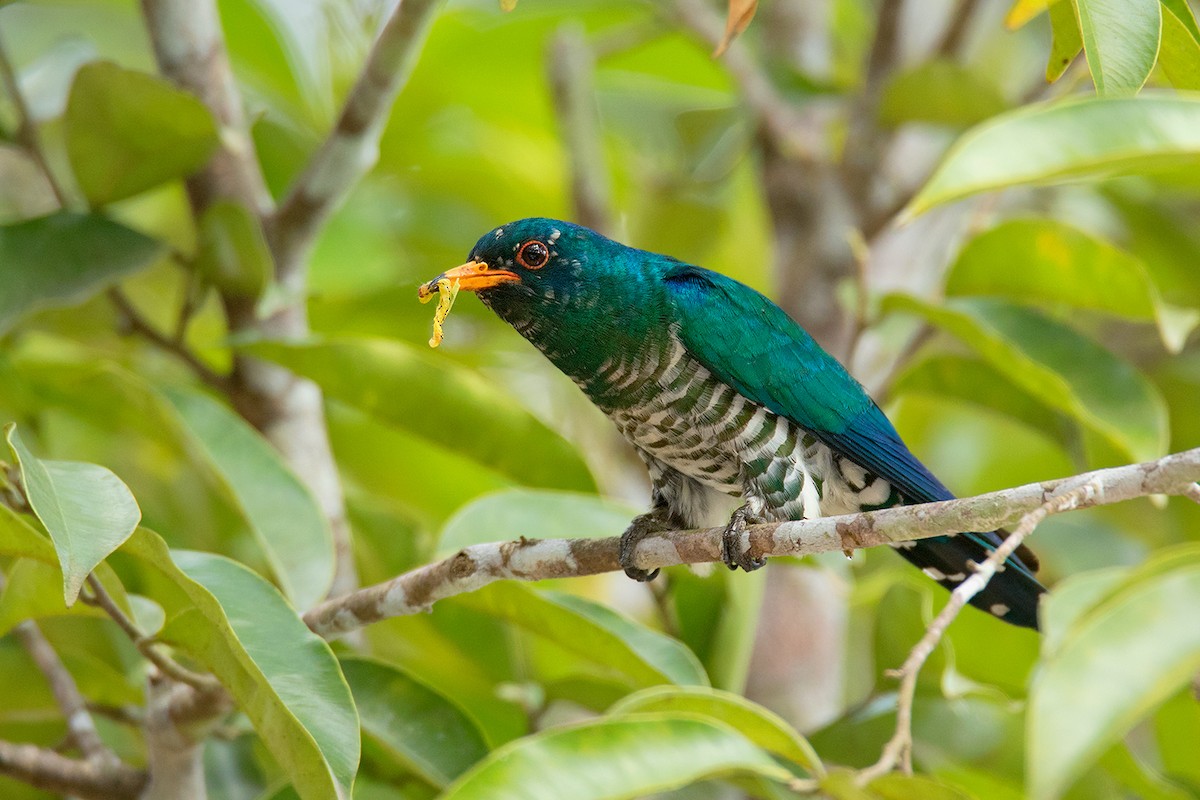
569, 290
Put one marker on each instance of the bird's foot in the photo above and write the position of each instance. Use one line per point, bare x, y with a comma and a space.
735, 551
641, 527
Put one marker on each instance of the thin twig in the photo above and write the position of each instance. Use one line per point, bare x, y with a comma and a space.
571, 65
135, 322
353, 145
533, 559
91, 780
898, 751
146, 645
26, 132
793, 133
956, 29
81, 728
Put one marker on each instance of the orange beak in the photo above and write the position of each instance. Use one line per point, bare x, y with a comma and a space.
472, 276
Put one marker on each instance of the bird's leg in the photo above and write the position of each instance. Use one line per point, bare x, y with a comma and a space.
656, 521
735, 551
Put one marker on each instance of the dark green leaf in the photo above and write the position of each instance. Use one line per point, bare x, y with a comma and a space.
128, 132
422, 729
65, 258
233, 255
87, 510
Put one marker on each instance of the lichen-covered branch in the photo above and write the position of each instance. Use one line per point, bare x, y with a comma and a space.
533, 559
352, 147
91, 780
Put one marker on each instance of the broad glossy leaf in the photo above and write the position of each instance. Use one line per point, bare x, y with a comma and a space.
975, 381
86, 509
63, 259
33, 590
610, 759
1179, 53
595, 632
1120, 39
1115, 664
1072, 599
422, 729
760, 725
941, 92
19, 539
534, 513
439, 401
1065, 43
286, 521
1054, 142
128, 132
1058, 366
283, 677
1048, 262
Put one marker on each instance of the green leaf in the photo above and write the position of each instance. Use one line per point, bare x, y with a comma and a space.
610, 759
1078, 138
1072, 598
1120, 39
285, 518
541, 513
439, 401
232, 252
419, 727
284, 678
127, 132
1179, 53
33, 590
1065, 42
1116, 664
86, 509
761, 726
595, 632
1048, 262
941, 92
1183, 12
19, 539
974, 381
1058, 366
63, 259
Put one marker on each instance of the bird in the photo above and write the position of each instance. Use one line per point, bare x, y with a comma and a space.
719, 392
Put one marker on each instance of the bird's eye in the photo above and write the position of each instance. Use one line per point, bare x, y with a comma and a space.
533, 254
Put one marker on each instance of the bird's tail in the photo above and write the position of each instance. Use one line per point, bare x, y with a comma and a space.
1013, 592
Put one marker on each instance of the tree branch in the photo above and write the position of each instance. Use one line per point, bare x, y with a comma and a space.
796, 135
81, 728
532, 559
134, 322
353, 145
571, 67
48, 770
26, 133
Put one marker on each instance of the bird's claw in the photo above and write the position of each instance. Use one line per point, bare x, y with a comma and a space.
734, 551
639, 529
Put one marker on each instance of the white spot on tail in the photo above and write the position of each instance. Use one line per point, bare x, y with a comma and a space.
999, 609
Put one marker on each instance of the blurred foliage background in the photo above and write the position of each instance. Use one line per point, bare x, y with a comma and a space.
1040, 327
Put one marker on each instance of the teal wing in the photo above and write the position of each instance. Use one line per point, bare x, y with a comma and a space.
747, 341
750, 343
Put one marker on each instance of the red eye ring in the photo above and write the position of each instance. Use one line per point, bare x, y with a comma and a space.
533, 254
